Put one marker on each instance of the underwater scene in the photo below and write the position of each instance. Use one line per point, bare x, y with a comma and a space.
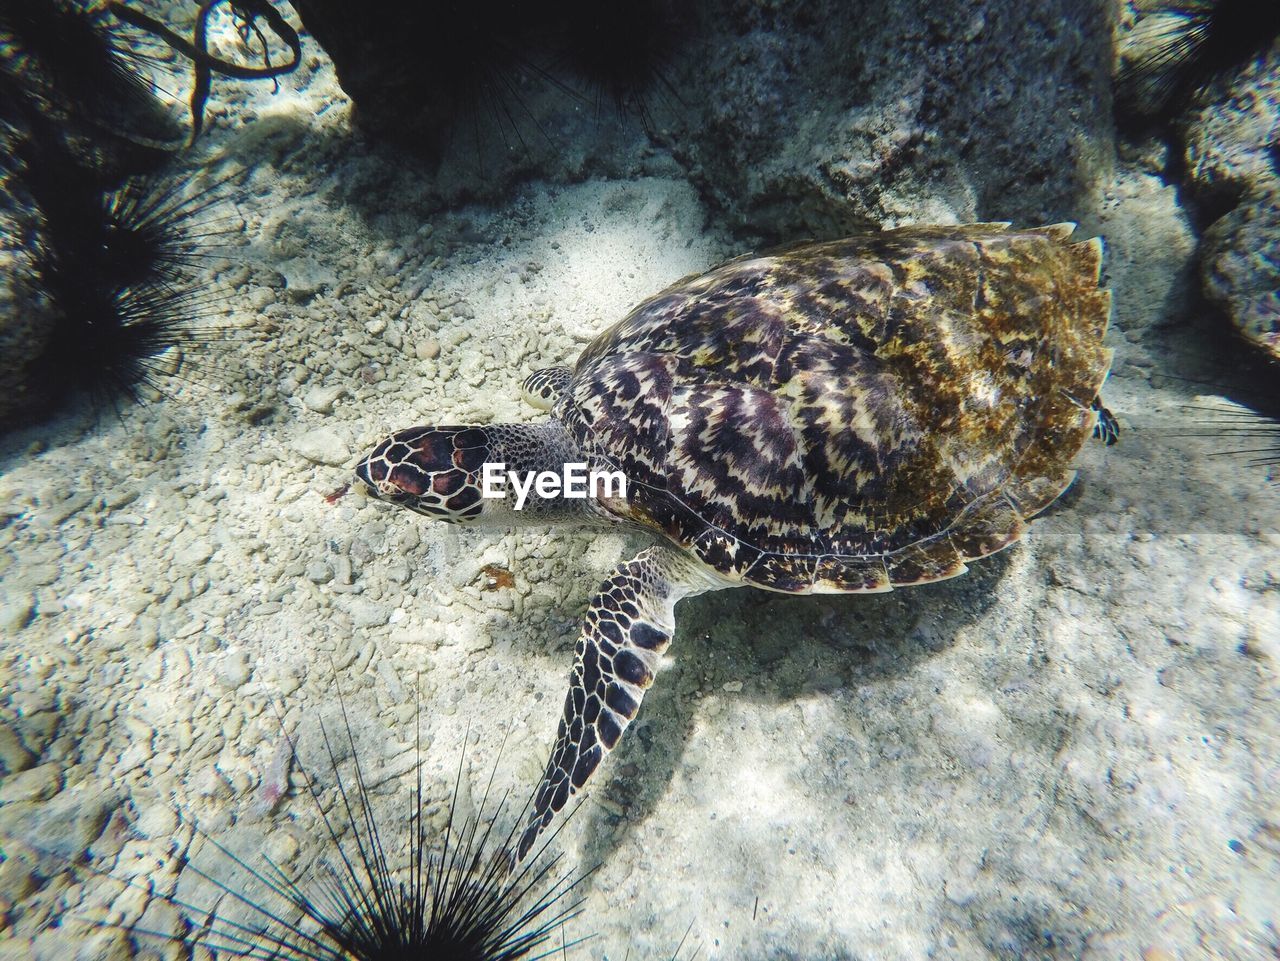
743, 479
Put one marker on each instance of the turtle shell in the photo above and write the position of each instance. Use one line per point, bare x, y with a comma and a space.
854, 415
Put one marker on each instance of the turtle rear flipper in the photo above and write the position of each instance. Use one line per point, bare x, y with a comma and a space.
1107, 428
627, 627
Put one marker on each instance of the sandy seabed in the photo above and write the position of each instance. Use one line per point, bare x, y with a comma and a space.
1069, 752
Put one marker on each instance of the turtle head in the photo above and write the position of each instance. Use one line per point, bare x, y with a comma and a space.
481, 475
435, 471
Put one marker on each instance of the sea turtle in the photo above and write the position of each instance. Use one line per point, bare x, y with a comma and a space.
844, 417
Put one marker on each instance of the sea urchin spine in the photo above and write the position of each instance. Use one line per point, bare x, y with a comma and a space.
455, 898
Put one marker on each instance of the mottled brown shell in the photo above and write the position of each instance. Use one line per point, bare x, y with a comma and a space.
853, 415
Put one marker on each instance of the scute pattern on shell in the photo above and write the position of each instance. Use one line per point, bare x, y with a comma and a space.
853, 415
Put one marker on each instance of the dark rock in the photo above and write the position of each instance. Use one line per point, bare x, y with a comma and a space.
27, 318
1231, 163
820, 118
1241, 267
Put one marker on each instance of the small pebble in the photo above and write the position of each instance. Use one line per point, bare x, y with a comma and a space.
323, 446
193, 554
398, 570
58, 944
17, 880
288, 680
282, 847
428, 349
16, 613
14, 755
322, 399
367, 614
157, 822
342, 568
232, 670
60, 511
189, 629
303, 277
63, 825
120, 496
318, 572
211, 784
37, 784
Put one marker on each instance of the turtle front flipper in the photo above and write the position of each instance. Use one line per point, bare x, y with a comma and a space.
626, 629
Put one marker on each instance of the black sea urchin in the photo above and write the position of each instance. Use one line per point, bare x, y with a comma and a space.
1247, 432
66, 75
153, 231
1238, 408
1186, 49
621, 51
116, 268
452, 899
109, 343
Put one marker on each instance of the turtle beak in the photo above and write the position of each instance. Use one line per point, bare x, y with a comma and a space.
368, 472
372, 470
366, 480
